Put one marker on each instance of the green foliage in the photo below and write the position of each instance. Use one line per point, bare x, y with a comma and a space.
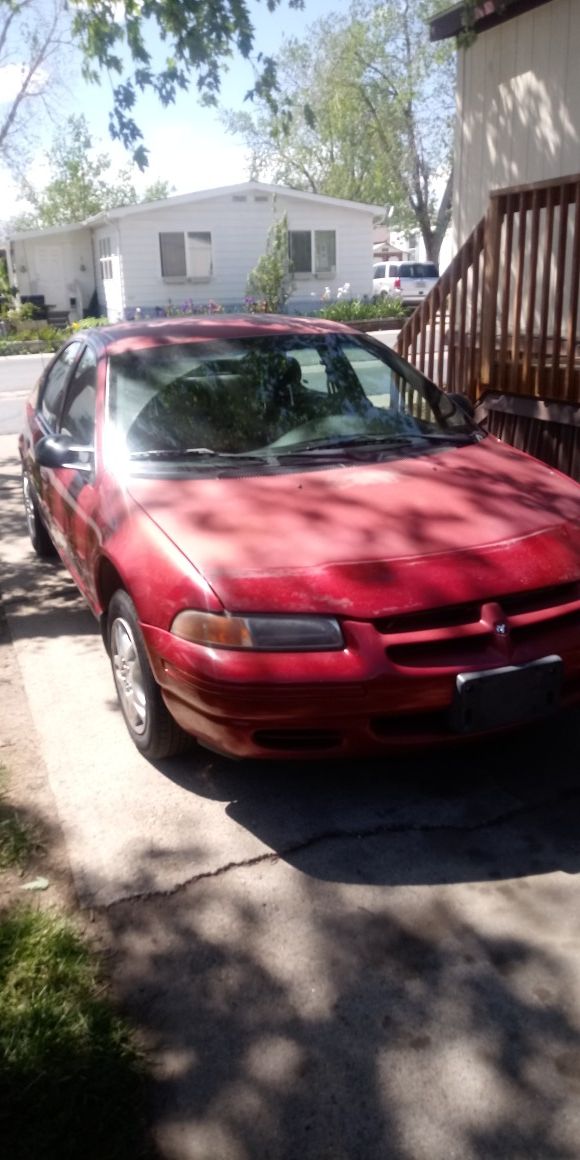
28, 310
82, 183
354, 309
46, 337
86, 324
17, 314
270, 283
6, 296
197, 39
158, 191
365, 112
71, 1081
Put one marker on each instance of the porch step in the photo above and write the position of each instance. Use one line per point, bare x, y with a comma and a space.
58, 318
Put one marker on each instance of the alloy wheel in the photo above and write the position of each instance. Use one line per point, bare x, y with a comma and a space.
128, 675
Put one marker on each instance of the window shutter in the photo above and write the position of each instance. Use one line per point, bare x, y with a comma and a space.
325, 250
199, 261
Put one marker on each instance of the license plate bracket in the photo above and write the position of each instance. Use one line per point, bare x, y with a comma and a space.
508, 696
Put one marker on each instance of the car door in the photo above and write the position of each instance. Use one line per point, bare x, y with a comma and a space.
74, 494
43, 417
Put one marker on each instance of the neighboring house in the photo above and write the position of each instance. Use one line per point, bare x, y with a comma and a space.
194, 248
518, 99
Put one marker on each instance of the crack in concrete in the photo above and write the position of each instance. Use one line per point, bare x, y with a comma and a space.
273, 856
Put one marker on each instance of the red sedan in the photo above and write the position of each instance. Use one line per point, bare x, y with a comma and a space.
296, 544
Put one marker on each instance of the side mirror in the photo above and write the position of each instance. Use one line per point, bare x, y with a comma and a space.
463, 403
62, 451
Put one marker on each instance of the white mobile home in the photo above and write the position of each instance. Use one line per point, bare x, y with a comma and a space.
194, 249
518, 98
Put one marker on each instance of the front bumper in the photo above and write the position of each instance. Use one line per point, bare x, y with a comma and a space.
379, 693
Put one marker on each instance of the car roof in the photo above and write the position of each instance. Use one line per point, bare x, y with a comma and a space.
124, 336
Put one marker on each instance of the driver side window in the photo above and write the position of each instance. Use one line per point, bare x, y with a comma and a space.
78, 416
55, 384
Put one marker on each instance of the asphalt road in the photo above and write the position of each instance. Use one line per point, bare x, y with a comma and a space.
18, 374
337, 962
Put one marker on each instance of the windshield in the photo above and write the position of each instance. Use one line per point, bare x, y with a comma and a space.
279, 395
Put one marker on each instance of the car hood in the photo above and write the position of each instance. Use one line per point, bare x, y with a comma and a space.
465, 523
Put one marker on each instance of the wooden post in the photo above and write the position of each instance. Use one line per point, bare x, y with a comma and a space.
493, 221
573, 313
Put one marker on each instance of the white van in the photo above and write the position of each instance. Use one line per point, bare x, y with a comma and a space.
409, 281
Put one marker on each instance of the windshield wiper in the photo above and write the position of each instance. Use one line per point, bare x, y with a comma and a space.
198, 452
408, 440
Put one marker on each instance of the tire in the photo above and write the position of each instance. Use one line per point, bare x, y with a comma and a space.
37, 531
150, 725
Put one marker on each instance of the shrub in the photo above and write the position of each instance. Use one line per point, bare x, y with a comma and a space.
28, 311
355, 309
270, 283
47, 334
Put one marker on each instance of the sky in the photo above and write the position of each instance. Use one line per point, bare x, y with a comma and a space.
188, 145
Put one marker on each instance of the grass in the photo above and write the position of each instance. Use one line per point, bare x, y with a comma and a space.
71, 1081
72, 1084
17, 840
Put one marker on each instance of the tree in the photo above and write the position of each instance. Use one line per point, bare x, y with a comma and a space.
82, 183
157, 191
365, 111
34, 38
271, 279
199, 38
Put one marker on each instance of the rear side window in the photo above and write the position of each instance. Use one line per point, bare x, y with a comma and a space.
379, 271
393, 271
55, 384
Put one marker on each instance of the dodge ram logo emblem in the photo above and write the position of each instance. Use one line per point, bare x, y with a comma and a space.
502, 628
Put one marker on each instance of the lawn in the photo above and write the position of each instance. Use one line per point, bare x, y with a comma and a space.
72, 1082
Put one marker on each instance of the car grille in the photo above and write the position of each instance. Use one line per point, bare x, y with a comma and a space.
467, 636
458, 614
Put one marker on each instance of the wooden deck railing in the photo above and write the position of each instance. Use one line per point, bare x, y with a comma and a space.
504, 315
441, 337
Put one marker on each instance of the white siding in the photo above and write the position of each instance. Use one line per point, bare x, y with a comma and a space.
60, 266
518, 108
239, 230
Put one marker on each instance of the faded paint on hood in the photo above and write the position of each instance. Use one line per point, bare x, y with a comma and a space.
465, 523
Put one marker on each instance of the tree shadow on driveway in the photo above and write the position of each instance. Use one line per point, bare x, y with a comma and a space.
291, 1017
314, 816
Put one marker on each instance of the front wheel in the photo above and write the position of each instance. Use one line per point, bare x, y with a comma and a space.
39, 537
149, 722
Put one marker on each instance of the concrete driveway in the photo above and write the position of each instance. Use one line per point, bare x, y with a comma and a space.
351, 962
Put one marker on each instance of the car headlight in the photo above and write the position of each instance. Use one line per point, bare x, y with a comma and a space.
261, 633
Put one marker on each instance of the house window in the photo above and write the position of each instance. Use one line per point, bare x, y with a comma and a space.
300, 249
312, 251
105, 259
172, 249
186, 256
